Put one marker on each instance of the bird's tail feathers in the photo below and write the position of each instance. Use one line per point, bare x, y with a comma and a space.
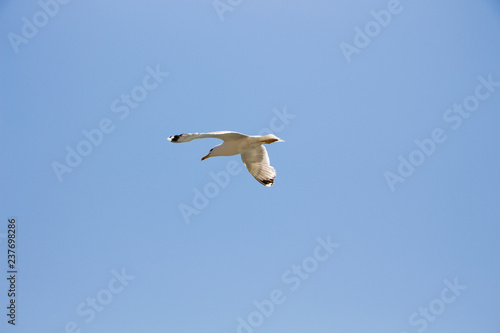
270, 138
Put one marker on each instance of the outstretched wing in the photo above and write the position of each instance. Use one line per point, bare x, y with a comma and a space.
257, 162
223, 135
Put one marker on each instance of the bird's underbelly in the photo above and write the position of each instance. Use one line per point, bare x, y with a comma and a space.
239, 146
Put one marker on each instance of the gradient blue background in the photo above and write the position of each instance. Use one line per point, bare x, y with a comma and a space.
120, 207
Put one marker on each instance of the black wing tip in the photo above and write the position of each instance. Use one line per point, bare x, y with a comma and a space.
174, 138
267, 182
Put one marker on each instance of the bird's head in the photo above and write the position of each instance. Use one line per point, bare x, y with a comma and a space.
208, 155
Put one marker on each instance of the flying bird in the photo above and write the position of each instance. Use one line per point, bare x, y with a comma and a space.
253, 153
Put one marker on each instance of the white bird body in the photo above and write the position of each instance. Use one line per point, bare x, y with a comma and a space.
253, 153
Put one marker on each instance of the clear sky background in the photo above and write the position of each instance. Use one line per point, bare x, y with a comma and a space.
418, 253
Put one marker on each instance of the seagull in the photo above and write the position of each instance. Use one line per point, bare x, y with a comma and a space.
253, 153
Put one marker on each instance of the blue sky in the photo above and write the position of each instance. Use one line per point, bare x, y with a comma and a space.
384, 215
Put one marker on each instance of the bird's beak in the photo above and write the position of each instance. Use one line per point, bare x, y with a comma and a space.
205, 157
